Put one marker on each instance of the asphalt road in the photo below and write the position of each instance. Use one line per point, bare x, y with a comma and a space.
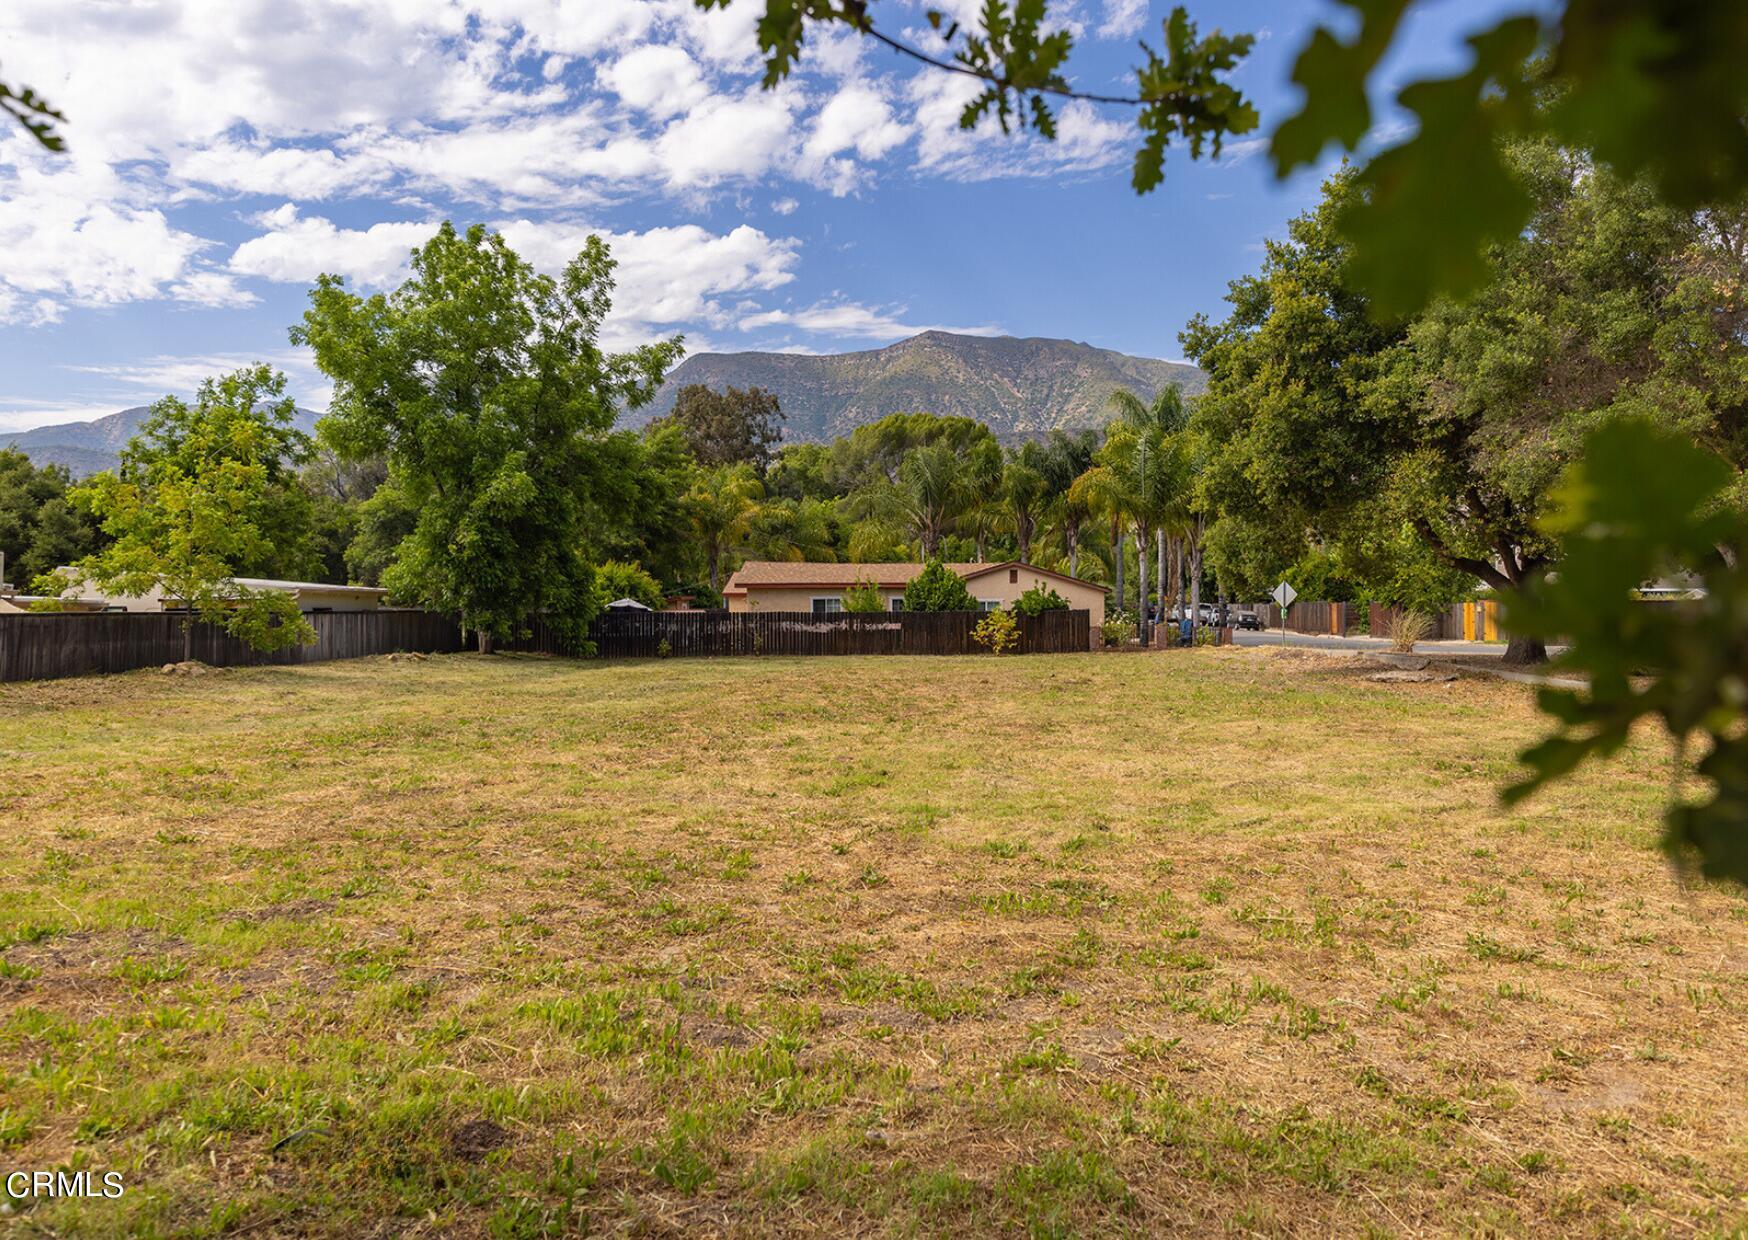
1243, 637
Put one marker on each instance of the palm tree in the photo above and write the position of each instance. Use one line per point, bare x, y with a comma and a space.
787, 529
1141, 444
721, 506
1103, 492
1024, 493
1065, 458
931, 494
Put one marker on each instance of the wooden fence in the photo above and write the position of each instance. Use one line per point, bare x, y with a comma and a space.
1306, 616
645, 634
55, 644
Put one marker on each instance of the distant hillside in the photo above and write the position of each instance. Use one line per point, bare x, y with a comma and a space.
90, 447
1018, 387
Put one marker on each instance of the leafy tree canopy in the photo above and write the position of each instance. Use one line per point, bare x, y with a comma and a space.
616, 580
247, 417
39, 528
938, 588
483, 385
733, 427
1326, 425
1040, 598
864, 598
196, 500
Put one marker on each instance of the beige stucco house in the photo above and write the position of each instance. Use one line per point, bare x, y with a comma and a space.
780, 585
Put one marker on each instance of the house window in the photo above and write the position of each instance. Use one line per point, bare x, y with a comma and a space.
895, 604
827, 606
989, 604
1013, 576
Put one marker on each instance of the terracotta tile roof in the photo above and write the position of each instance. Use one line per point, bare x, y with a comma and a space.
807, 574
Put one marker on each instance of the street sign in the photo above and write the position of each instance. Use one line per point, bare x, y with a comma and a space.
1284, 595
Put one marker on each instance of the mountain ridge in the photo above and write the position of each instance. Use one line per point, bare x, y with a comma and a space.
87, 448
1019, 386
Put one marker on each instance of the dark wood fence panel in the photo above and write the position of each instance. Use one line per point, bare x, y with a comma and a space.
648, 634
57, 644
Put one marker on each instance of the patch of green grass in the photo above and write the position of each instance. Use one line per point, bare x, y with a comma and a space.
714, 944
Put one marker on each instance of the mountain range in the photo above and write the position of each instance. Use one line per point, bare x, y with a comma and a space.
87, 448
1019, 387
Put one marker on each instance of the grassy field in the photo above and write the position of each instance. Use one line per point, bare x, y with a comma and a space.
1215, 941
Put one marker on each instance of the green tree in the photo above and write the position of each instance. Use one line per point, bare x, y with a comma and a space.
1039, 599
787, 529
637, 503
244, 416
338, 491
39, 529
722, 505
190, 505
616, 580
1145, 450
1025, 492
875, 453
1066, 457
1103, 493
380, 525
931, 494
864, 598
483, 385
937, 588
803, 471
733, 427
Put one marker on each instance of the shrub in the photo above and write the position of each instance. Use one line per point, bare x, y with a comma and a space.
864, 597
1118, 627
1405, 628
998, 632
937, 588
616, 579
1040, 598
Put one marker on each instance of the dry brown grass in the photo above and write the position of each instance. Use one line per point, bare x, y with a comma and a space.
1232, 940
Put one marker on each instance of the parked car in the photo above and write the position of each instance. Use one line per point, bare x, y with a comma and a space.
1247, 620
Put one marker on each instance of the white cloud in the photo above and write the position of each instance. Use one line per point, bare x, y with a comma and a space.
858, 118
23, 415
655, 79
283, 172
849, 319
296, 249
666, 277
543, 110
726, 138
74, 233
118, 385
1122, 19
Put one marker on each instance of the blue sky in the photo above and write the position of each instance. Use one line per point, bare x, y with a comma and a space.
225, 151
